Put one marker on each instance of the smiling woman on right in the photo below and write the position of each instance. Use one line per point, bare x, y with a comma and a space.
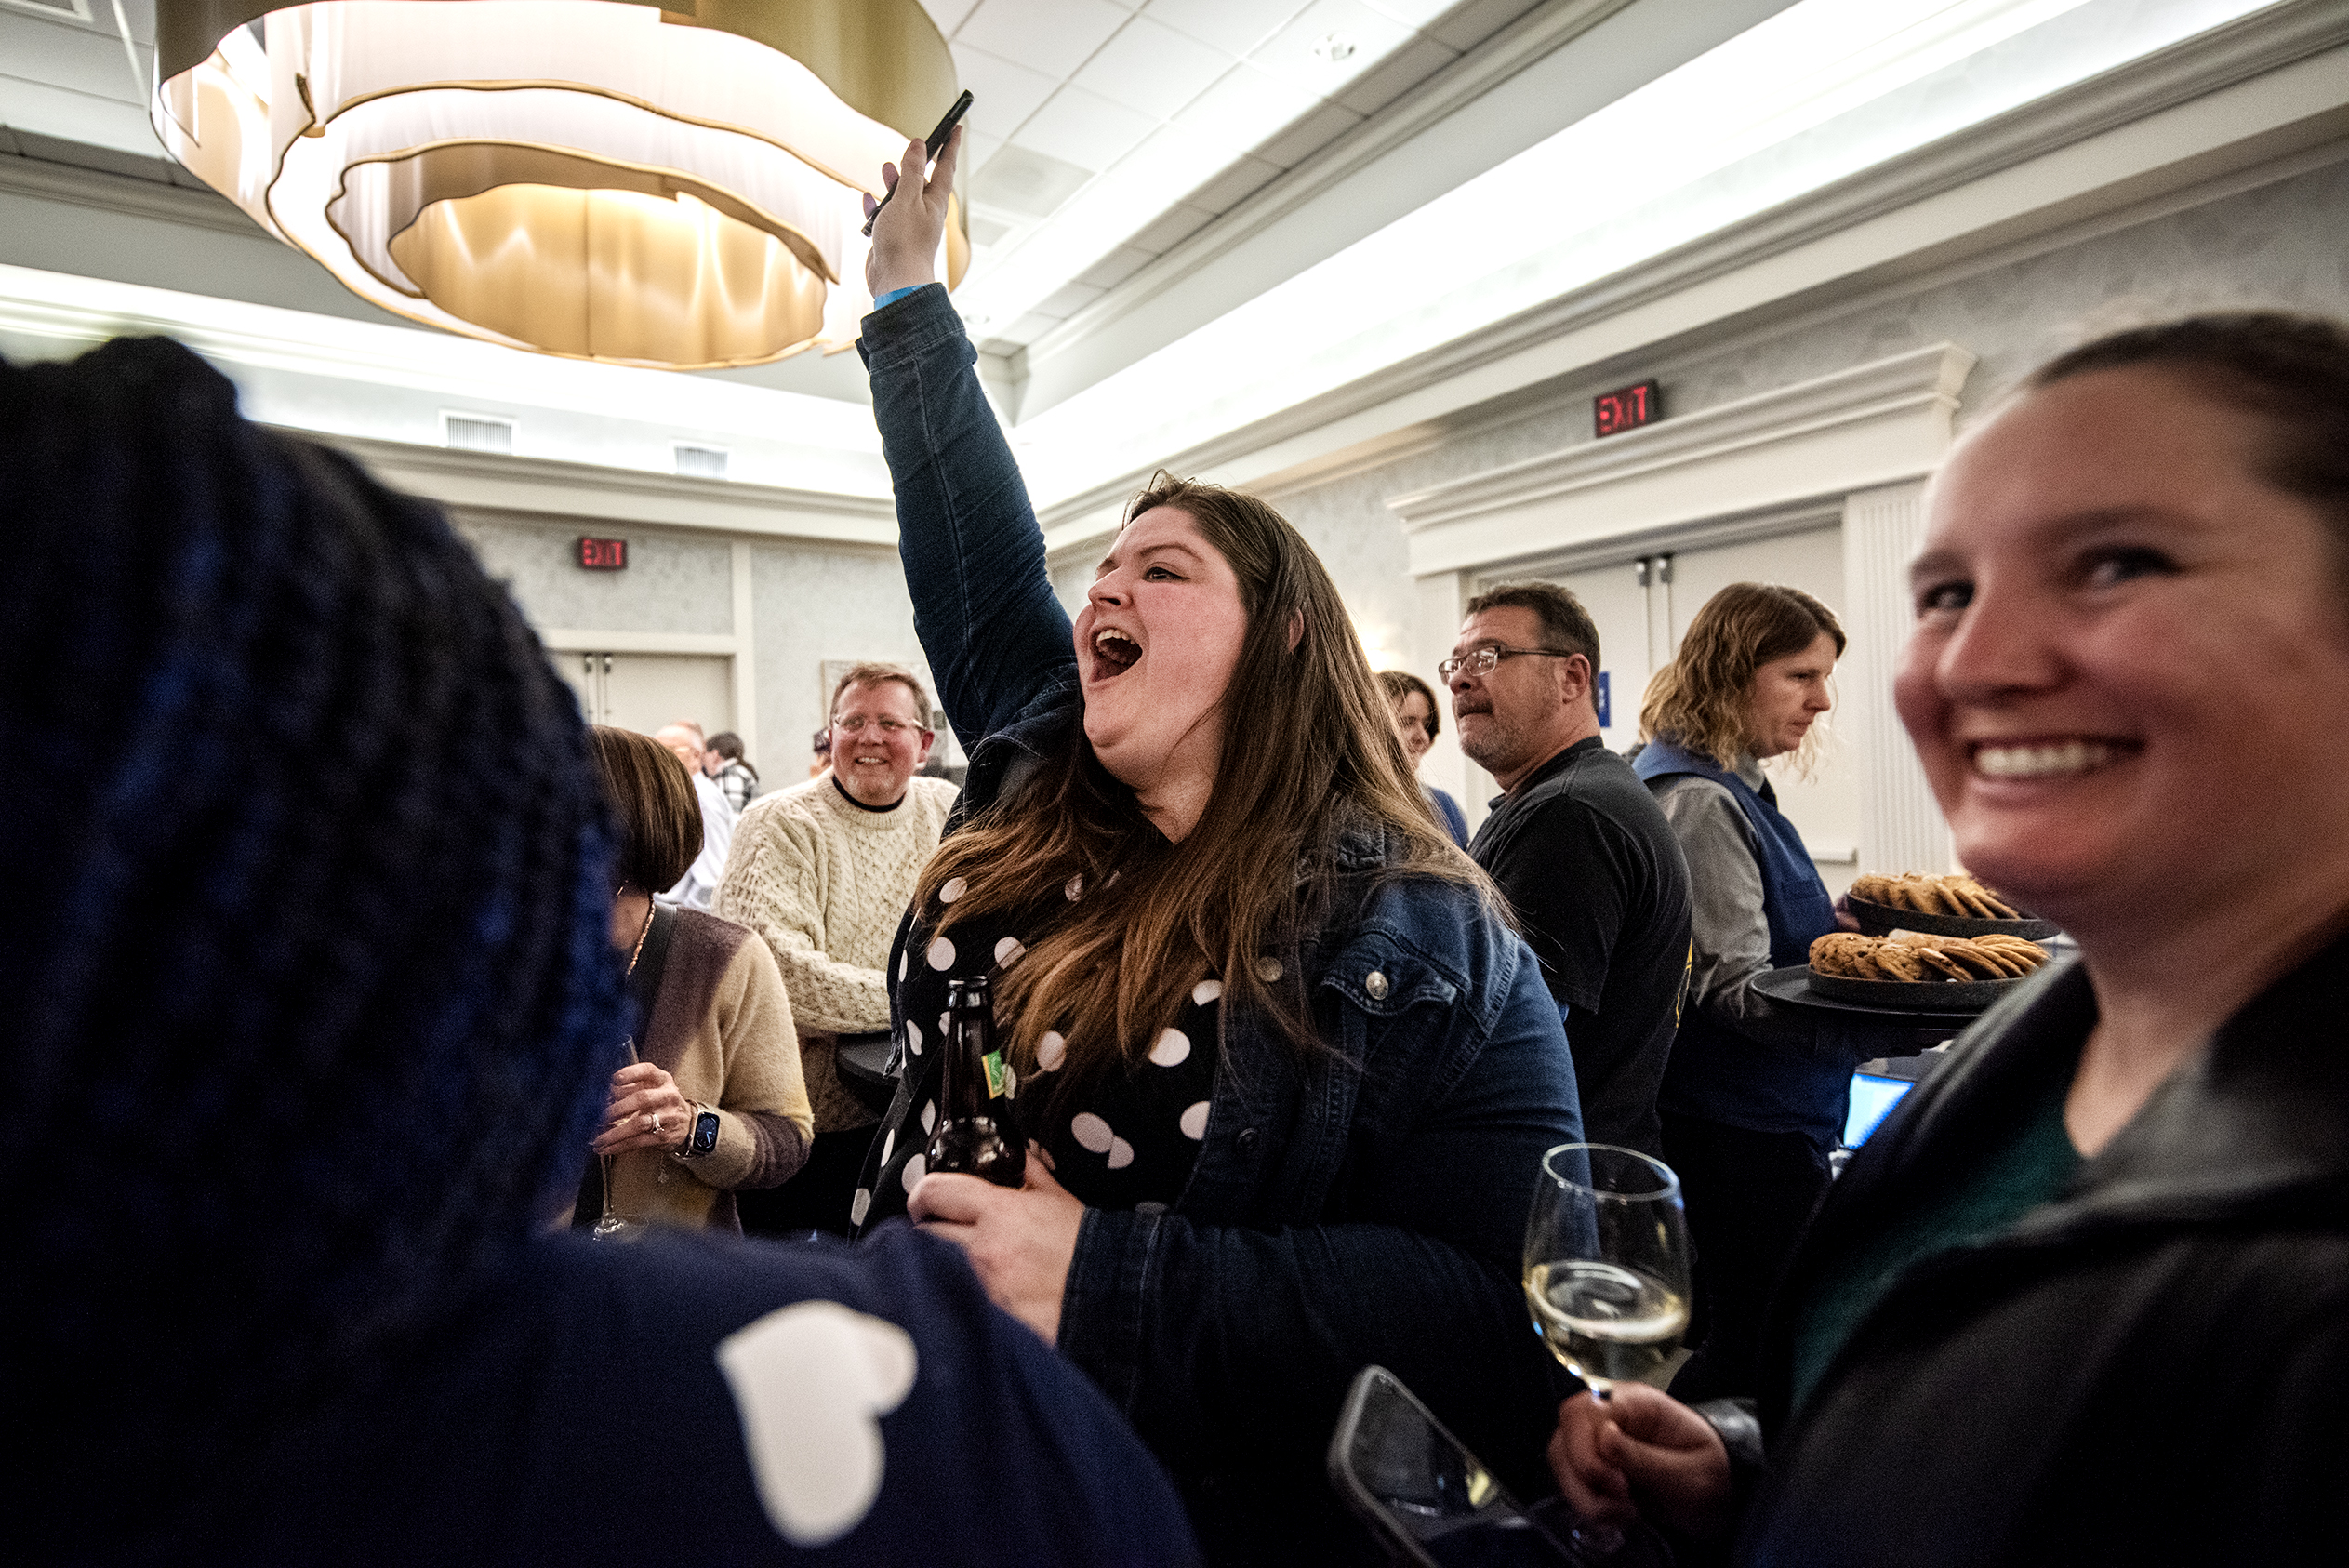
2085, 1298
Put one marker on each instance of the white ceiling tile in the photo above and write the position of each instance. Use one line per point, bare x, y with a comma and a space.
1308, 136
1027, 328
977, 147
1395, 75
1473, 22
947, 14
1152, 68
1292, 52
1084, 128
1115, 268
1002, 94
1171, 228
1244, 108
1020, 181
1067, 299
1234, 26
1235, 185
1051, 35
1410, 13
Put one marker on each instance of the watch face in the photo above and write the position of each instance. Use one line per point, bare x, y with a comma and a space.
705, 1131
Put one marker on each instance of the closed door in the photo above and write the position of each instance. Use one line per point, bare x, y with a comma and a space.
1617, 598
646, 692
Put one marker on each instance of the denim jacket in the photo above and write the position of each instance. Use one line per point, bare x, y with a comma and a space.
1363, 1204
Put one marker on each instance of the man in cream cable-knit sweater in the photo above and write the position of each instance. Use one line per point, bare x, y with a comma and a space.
823, 872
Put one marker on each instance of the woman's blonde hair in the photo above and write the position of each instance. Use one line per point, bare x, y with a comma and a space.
1256, 875
1699, 700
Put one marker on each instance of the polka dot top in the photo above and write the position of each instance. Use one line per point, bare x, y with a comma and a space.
1129, 1143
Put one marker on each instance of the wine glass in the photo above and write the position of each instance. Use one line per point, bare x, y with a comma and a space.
1607, 1269
612, 1225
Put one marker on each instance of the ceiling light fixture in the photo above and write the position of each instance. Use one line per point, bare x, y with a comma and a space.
1333, 48
673, 187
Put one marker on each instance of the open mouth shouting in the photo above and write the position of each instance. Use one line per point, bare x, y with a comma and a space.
1114, 653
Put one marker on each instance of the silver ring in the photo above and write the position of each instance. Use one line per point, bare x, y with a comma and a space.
656, 1115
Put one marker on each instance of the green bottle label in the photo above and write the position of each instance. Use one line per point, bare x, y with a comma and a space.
998, 1075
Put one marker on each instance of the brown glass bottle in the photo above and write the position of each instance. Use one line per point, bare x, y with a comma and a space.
975, 1135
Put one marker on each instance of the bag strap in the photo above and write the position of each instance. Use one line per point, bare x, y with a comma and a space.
644, 985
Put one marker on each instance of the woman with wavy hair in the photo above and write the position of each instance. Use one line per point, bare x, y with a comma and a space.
1755, 1094
1287, 1073
307, 1039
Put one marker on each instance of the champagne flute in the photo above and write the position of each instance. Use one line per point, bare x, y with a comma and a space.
613, 1225
1607, 1271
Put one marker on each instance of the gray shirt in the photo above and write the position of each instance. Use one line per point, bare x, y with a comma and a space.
1731, 932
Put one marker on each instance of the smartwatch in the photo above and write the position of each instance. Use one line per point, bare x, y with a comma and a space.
703, 1139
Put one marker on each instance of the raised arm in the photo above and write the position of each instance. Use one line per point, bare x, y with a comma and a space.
983, 604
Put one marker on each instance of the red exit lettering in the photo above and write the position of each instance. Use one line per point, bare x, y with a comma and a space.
604, 555
1626, 408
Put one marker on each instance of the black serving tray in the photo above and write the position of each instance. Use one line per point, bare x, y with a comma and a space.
1882, 920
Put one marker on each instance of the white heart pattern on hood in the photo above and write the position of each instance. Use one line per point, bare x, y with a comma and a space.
811, 1383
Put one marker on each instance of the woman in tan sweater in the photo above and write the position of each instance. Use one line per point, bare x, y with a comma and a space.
714, 1102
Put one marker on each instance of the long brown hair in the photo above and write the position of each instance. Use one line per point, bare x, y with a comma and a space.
1698, 700
1147, 920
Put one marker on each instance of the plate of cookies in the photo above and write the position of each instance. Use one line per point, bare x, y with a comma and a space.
1952, 906
1921, 970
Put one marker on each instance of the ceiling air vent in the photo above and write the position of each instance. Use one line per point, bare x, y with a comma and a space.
476, 433
701, 462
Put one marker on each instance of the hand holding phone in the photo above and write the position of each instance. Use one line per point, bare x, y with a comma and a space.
933, 143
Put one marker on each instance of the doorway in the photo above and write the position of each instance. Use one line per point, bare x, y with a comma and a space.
1642, 606
643, 692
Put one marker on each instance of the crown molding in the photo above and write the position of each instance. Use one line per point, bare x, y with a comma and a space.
50, 181
540, 488
1876, 424
2118, 100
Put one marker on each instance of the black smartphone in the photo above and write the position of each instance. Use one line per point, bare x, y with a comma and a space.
935, 142
1430, 1501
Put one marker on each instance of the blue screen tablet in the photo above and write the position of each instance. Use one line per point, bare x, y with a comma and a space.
1872, 1100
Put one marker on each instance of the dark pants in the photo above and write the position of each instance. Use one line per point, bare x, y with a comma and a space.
1749, 1197
817, 1197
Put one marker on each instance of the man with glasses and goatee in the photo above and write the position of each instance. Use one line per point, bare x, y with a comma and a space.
1578, 846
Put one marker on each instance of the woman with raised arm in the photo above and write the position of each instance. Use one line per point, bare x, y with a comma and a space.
2084, 1298
1288, 1073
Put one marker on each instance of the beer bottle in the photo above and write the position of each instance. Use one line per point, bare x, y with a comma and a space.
974, 1077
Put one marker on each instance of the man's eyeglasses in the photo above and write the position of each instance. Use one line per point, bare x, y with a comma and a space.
888, 727
1483, 660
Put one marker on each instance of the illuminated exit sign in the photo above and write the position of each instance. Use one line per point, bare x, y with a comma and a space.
604, 555
1626, 408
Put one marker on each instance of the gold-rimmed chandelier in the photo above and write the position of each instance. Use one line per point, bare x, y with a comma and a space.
673, 186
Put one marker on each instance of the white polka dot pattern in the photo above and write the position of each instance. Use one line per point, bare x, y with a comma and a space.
1194, 1121
1268, 970
913, 1037
888, 1145
859, 1205
955, 887
1120, 1154
1007, 949
1051, 1051
1074, 889
942, 954
930, 1117
1173, 1049
916, 1168
1091, 1131
1207, 991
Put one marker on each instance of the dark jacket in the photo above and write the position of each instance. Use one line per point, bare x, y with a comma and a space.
1365, 1205
2151, 1368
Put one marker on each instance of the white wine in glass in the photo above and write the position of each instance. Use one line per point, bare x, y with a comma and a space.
1606, 1263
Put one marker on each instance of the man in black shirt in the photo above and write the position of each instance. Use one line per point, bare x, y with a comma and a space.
1577, 845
